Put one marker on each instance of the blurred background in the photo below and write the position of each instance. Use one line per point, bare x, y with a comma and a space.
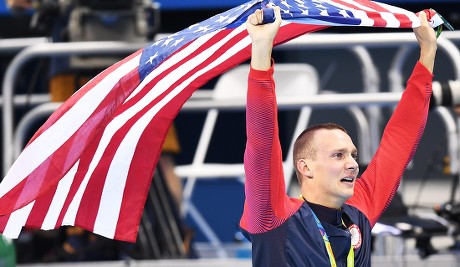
193, 221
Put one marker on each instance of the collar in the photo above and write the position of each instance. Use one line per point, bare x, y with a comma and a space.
328, 215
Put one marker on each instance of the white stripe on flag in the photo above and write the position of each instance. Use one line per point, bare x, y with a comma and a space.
71, 214
392, 21
17, 220
59, 198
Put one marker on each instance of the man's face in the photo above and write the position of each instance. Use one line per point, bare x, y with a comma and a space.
334, 169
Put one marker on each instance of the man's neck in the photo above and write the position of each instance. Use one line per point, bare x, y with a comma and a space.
325, 214
327, 202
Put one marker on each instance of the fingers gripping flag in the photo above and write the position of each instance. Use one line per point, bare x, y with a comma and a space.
91, 163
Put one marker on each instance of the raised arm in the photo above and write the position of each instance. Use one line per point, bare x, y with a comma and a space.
267, 204
262, 37
375, 190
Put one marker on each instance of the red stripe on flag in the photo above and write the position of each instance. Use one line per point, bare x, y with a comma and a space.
76, 183
404, 20
139, 179
375, 16
3, 221
40, 209
375, 6
10, 199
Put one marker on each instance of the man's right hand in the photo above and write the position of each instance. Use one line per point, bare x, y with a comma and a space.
262, 36
263, 32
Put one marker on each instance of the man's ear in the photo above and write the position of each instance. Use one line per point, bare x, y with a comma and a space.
303, 167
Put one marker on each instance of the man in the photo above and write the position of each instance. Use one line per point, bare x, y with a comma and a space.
330, 224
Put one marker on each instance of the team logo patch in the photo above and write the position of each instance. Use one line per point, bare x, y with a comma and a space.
356, 238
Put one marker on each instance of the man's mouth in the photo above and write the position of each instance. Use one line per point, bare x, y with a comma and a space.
347, 180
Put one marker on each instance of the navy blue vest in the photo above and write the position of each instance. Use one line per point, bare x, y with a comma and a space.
298, 242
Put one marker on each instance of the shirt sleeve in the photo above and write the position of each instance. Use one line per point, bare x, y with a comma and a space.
266, 205
378, 184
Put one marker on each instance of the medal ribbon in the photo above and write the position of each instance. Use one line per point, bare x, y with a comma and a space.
327, 243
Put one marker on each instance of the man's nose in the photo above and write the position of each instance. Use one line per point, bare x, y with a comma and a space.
352, 164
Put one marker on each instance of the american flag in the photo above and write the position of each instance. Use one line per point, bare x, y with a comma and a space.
91, 163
